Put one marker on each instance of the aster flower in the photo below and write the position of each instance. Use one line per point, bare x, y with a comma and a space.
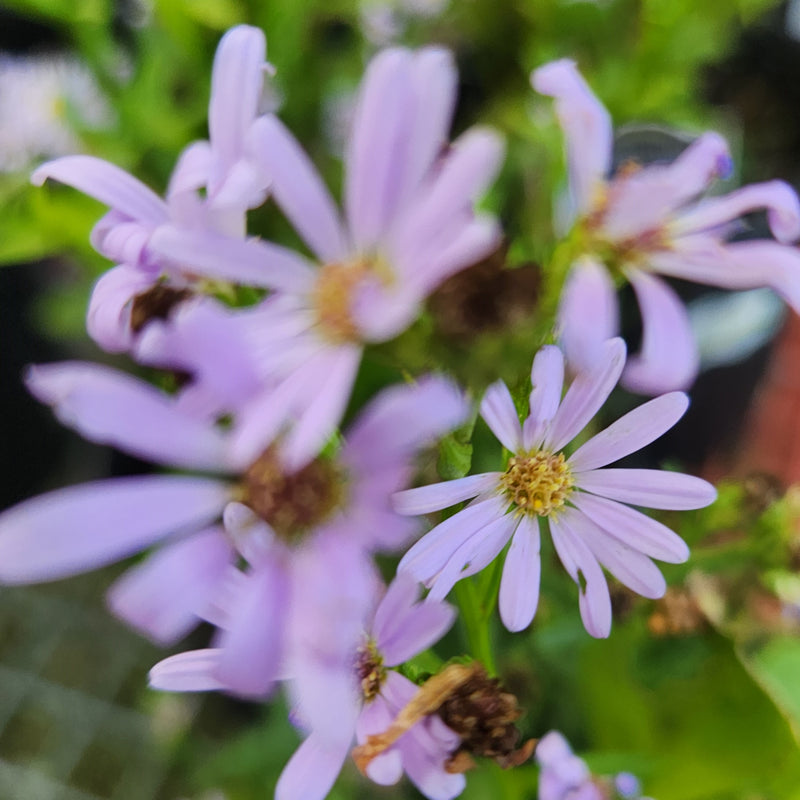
565, 776
354, 695
409, 224
647, 221
83, 527
584, 505
225, 167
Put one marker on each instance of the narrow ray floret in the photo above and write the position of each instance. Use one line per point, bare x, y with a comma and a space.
647, 221
410, 221
352, 696
269, 514
583, 503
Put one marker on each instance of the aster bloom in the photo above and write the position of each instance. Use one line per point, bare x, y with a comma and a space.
352, 696
647, 221
83, 527
409, 224
225, 167
584, 505
565, 776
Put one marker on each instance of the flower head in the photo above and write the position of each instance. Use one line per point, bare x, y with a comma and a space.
344, 687
584, 505
565, 776
223, 167
270, 515
409, 222
647, 221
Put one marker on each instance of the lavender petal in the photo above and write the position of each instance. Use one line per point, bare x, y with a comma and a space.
192, 671
633, 528
668, 359
519, 586
108, 317
547, 380
500, 414
436, 496
84, 527
631, 432
313, 769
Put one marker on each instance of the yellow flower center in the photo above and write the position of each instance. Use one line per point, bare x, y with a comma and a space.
537, 484
332, 296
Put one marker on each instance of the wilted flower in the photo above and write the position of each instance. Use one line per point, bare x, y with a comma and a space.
269, 513
353, 694
583, 504
646, 221
410, 223
224, 167
564, 776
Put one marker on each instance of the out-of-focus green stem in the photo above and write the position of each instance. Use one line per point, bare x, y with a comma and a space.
476, 623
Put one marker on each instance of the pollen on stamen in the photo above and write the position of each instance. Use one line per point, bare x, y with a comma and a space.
537, 484
370, 670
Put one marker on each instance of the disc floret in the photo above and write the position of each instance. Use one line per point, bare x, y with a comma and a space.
537, 483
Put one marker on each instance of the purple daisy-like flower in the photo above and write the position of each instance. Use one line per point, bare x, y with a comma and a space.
647, 221
344, 686
565, 776
269, 514
225, 167
585, 506
409, 223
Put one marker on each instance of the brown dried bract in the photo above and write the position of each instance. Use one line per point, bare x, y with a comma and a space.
472, 705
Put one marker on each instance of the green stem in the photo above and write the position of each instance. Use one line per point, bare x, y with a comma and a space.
476, 623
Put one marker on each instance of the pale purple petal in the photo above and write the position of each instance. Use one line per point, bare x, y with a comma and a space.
436, 496
777, 197
313, 769
403, 419
589, 390
633, 528
107, 183
251, 535
299, 191
580, 563
379, 146
191, 173
651, 488
402, 627
588, 314
668, 359
547, 381
110, 407
164, 596
251, 262
125, 242
429, 555
586, 125
84, 527
500, 414
477, 552
236, 82
630, 432
324, 412
435, 82
519, 586
108, 318
645, 200
627, 564
251, 647
375, 718
464, 175
426, 771
741, 265
192, 671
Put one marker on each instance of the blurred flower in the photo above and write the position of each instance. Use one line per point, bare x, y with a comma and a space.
410, 224
268, 513
646, 221
43, 99
564, 776
346, 689
213, 185
583, 504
